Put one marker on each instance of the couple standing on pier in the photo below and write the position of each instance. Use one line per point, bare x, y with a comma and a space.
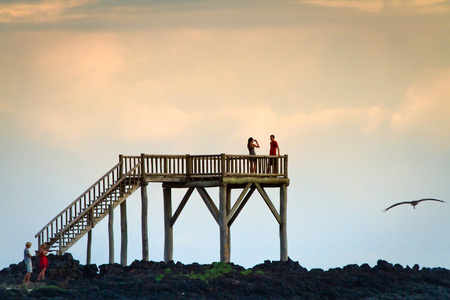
274, 149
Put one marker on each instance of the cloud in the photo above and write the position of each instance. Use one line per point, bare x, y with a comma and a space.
418, 6
78, 88
85, 61
364, 5
45, 11
142, 114
426, 110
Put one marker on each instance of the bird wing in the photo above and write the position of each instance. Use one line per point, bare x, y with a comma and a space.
430, 199
400, 203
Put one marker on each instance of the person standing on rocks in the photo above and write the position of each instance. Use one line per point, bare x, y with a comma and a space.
27, 261
43, 261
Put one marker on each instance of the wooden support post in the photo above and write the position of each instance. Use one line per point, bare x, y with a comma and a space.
89, 247
228, 208
111, 234
168, 230
144, 199
283, 216
124, 230
223, 225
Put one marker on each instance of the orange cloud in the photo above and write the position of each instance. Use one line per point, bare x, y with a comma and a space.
426, 110
45, 11
84, 60
420, 6
364, 5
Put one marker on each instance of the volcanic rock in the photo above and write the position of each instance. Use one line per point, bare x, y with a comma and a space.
66, 278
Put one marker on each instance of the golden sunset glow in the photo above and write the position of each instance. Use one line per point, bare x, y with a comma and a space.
357, 94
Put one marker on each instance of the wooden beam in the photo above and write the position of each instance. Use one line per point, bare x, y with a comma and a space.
168, 231
124, 231
283, 216
181, 206
264, 179
184, 184
223, 226
144, 220
268, 202
209, 203
111, 234
239, 199
239, 205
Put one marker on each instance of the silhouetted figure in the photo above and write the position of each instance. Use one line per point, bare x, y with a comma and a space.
274, 150
251, 145
414, 202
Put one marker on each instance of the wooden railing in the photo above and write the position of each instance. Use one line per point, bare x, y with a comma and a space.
194, 166
266, 165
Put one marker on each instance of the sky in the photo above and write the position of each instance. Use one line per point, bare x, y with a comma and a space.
357, 94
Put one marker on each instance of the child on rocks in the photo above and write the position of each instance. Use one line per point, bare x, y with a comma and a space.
43, 262
27, 261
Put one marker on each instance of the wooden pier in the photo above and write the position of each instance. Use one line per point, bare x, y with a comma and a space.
190, 172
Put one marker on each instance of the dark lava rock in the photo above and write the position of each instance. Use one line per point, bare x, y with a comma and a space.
66, 278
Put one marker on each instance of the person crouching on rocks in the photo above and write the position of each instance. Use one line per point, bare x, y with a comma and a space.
27, 261
43, 262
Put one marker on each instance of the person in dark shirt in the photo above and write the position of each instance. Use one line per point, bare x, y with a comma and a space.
251, 145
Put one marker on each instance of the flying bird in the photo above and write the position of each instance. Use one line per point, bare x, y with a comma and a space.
413, 203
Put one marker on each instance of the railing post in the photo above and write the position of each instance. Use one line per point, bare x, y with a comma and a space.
188, 166
121, 170
222, 164
39, 242
286, 166
143, 170
120, 166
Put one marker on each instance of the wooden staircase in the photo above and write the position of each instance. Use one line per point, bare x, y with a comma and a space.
92, 206
131, 172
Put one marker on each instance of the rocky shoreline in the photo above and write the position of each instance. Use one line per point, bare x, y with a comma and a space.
66, 278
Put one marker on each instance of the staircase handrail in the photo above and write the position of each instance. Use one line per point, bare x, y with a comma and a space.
79, 198
99, 199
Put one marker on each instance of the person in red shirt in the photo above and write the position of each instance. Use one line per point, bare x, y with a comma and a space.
274, 150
